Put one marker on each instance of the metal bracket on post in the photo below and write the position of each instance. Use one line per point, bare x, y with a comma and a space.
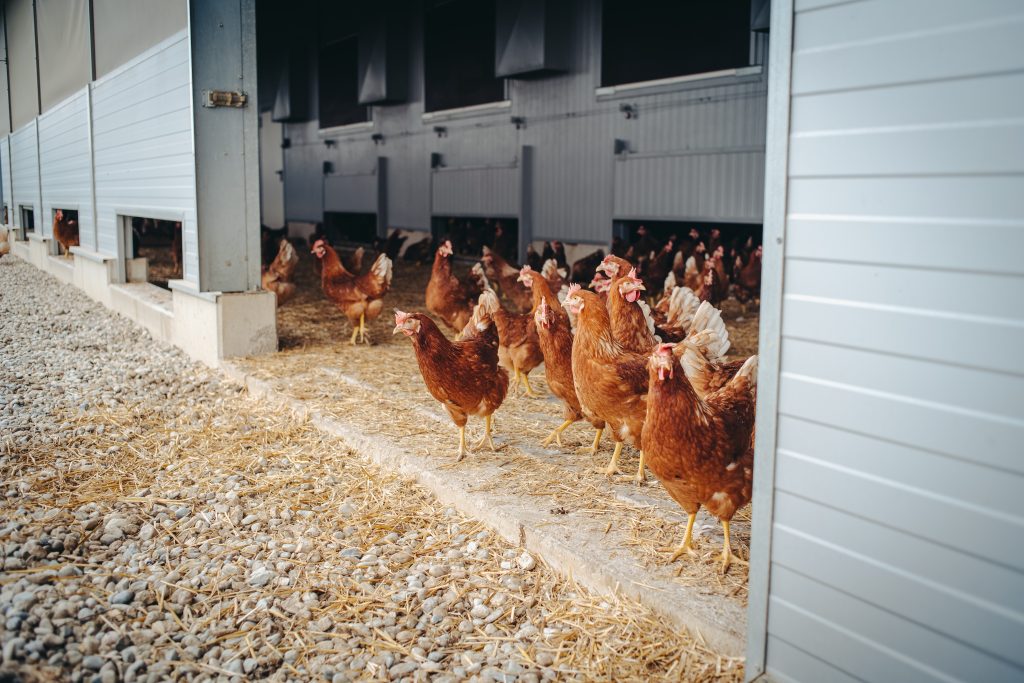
224, 98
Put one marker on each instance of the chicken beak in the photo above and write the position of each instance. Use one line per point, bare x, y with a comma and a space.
398, 328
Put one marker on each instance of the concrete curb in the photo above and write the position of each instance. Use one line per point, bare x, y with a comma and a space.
582, 555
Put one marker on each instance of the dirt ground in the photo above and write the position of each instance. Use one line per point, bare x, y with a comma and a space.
372, 387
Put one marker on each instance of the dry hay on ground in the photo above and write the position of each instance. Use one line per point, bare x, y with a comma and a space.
144, 464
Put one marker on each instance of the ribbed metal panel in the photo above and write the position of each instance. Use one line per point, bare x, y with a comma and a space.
713, 130
351, 193
303, 173
476, 191
25, 179
897, 532
5, 177
144, 165
65, 162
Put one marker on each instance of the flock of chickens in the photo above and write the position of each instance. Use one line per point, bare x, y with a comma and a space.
654, 377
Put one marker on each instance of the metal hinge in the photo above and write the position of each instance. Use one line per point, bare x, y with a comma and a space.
224, 98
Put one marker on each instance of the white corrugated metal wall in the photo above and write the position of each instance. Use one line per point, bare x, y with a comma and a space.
142, 128
897, 535
125, 140
25, 179
65, 162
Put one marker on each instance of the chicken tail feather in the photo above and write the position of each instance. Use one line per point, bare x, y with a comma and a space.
708, 318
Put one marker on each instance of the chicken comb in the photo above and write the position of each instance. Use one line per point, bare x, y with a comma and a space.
400, 316
525, 270
632, 275
574, 288
318, 243
664, 349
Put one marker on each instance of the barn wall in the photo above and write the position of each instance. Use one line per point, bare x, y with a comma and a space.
895, 541
6, 177
696, 149
66, 163
142, 126
5, 86
25, 180
21, 64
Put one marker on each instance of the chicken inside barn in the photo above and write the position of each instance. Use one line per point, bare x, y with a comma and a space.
511, 340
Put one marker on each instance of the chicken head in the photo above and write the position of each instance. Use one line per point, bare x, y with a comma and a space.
406, 323
631, 286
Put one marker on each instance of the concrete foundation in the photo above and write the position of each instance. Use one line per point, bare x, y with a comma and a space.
208, 326
211, 326
39, 249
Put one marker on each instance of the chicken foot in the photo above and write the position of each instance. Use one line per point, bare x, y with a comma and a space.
687, 546
556, 435
486, 438
592, 449
727, 555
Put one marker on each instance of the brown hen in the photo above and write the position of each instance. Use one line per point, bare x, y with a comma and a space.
463, 375
701, 449
358, 296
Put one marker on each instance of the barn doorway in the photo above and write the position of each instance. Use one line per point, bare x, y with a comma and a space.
153, 250
65, 229
28, 220
350, 229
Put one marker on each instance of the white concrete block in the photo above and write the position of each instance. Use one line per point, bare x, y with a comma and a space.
137, 269
211, 326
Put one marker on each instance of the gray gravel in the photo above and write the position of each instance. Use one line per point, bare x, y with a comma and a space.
157, 525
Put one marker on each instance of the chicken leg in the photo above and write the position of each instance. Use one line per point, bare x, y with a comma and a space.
514, 389
486, 438
556, 435
727, 554
462, 443
529, 390
613, 464
687, 546
362, 328
355, 333
641, 475
592, 449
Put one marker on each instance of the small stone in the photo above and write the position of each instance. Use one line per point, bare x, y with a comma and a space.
249, 665
122, 598
402, 669
526, 562
108, 674
93, 662
544, 659
23, 601
261, 577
